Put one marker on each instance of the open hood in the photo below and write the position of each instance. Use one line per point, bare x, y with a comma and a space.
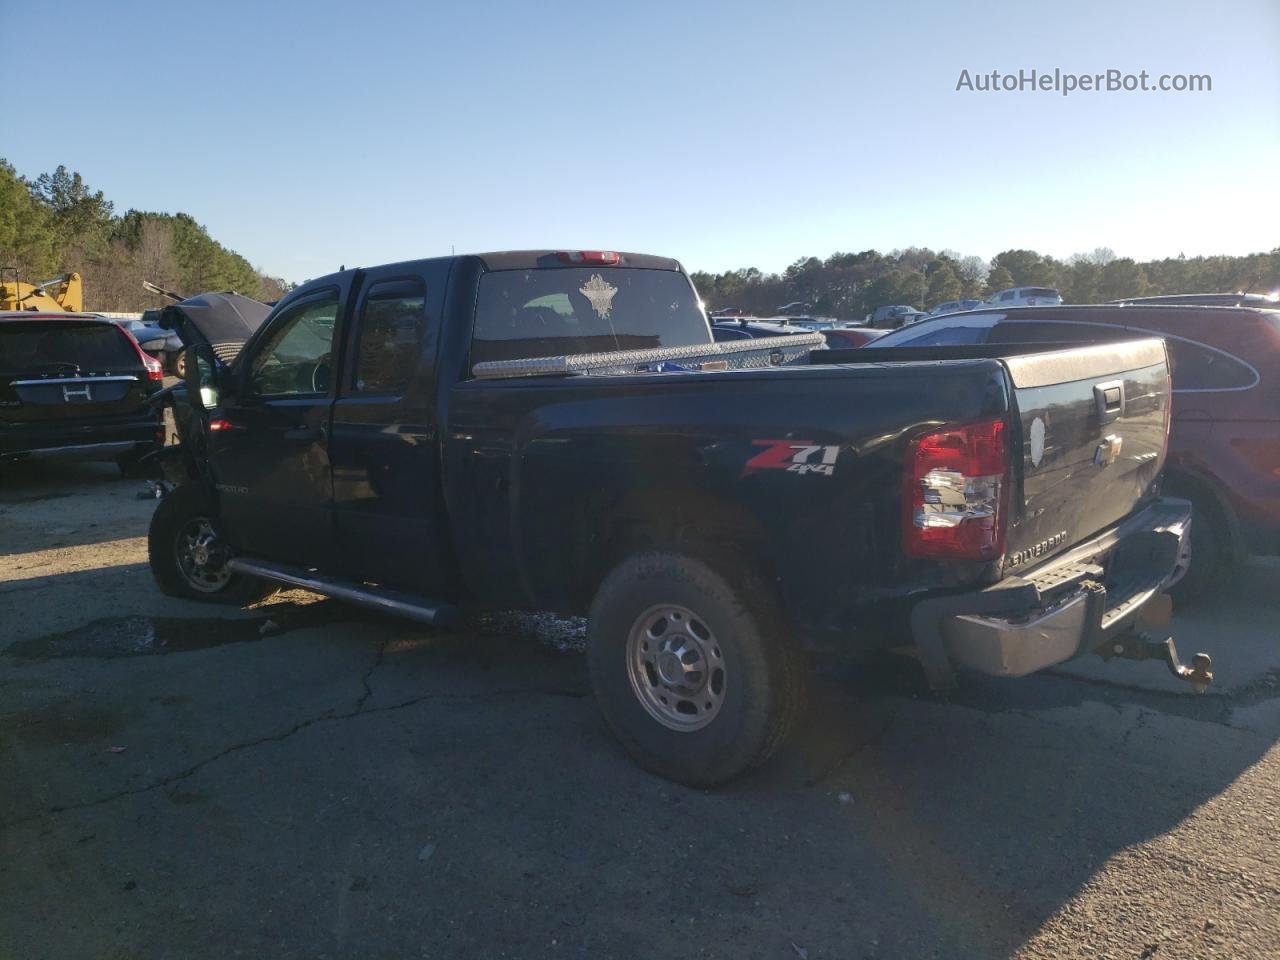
223, 320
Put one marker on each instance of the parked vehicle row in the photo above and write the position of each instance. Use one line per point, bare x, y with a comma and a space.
751, 328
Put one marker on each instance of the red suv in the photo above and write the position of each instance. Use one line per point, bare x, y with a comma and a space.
1224, 443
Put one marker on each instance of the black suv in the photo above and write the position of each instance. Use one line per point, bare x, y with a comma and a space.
75, 381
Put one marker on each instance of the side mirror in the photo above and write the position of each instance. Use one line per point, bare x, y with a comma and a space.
154, 346
204, 376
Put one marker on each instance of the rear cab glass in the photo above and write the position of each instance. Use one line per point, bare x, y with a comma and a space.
574, 310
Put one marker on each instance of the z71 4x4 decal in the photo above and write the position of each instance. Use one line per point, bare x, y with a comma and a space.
794, 456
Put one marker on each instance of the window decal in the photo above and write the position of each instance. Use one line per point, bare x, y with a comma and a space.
600, 292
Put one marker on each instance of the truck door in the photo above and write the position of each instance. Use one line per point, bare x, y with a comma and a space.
385, 446
270, 453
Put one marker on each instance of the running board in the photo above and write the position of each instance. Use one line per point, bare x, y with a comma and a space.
376, 598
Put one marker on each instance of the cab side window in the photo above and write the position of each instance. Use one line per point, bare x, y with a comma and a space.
389, 340
297, 358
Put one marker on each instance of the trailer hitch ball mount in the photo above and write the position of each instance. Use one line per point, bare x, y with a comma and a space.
1141, 646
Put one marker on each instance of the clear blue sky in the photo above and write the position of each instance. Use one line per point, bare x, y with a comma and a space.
728, 134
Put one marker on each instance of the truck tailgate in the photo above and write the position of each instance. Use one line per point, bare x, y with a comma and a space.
1093, 425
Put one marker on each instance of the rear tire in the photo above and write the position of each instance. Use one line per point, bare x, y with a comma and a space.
1212, 556
693, 671
188, 560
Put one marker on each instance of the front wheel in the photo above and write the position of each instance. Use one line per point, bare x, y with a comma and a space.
694, 672
188, 558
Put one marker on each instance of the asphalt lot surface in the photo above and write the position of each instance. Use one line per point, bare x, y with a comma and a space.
306, 780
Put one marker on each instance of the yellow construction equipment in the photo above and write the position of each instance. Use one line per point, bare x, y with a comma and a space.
61, 293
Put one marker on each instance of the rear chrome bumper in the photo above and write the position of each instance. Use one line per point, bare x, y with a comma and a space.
1066, 607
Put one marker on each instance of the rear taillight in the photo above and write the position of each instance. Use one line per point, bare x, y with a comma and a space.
599, 258
155, 370
956, 493
1168, 417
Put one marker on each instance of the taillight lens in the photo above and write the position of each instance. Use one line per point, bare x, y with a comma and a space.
1168, 417
956, 493
155, 370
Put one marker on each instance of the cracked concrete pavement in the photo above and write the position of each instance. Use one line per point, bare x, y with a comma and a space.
337, 784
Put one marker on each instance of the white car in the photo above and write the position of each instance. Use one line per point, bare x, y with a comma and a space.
1026, 297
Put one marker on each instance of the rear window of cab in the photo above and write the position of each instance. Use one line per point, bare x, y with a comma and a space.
522, 314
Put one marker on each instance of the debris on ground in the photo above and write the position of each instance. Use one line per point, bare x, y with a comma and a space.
426, 852
562, 634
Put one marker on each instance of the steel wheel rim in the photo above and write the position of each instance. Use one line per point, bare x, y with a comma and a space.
676, 667
200, 557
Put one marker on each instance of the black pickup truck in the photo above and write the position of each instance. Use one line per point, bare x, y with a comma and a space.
559, 431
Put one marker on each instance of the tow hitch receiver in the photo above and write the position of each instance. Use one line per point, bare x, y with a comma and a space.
1141, 646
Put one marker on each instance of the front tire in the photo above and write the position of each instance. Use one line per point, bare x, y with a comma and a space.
693, 671
188, 559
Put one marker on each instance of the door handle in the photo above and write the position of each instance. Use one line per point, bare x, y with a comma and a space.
305, 434
1109, 399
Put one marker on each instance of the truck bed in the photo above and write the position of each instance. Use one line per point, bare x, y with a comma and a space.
613, 448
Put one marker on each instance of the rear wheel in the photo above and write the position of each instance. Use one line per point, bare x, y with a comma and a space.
189, 559
693, 671
1212, 556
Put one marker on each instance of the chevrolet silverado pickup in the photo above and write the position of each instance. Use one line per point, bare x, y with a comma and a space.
559, 431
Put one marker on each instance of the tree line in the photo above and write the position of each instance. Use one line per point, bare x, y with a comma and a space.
57, 224
851, 285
